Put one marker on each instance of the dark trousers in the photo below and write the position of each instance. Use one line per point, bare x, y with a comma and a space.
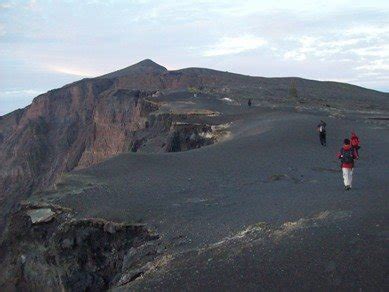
323, 140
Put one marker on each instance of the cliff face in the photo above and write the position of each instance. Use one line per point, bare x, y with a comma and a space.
73, 127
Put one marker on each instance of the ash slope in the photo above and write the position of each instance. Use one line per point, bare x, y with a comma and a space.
85, 122
263, 210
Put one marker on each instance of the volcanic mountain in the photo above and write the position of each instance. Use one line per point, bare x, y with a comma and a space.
87, 170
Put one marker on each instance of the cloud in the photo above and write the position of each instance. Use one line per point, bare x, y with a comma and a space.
295, 55
234, 45
380, 51
321, 47
72, 71
28, 5
373, 66
307, 45
368, 31
356, 43
17, 93
5, 5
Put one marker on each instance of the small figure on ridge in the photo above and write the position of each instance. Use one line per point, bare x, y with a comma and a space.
321, 127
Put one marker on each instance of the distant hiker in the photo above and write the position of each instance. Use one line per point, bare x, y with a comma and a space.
249, 102
347, 155
321, 127
355, 142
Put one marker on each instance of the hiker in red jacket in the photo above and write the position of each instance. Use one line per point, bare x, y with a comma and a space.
347, 155
355, 142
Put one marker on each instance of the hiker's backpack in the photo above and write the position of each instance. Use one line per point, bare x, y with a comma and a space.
347, 155
355, 141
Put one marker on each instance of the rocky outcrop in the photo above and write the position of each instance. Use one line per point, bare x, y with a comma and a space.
186, 136
64, 253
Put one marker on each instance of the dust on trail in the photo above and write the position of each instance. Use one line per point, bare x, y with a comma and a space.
262, 230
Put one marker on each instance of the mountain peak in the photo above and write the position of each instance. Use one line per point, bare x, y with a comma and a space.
148, 62
144, 66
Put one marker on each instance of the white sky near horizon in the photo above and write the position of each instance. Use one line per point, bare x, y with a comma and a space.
47, 44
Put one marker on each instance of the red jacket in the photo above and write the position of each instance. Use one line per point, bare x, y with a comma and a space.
346, 148
354, 140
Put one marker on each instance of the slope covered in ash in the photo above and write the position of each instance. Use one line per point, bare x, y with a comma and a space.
87, 121
262, 209
259, 170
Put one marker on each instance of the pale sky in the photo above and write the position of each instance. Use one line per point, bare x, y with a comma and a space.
47, 44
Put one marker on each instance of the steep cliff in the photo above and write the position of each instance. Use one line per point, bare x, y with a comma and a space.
72, 127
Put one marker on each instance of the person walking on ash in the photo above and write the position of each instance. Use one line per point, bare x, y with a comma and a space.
321, 127
355, 143
347, 156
